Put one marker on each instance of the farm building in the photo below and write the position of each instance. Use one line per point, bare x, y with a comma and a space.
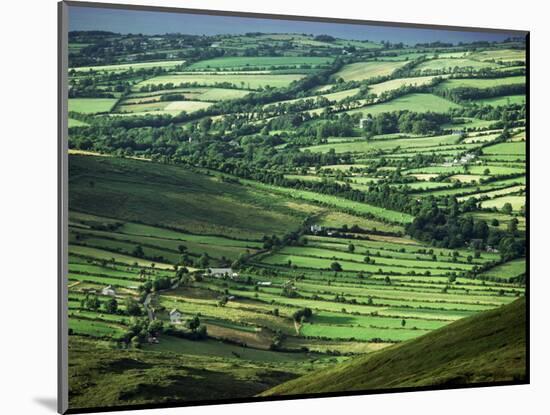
315, 228
221, 272
175, 316
108, 290
264, 283
152, 340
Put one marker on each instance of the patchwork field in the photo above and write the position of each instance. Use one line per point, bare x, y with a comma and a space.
371, 146
412, 102
453, 64
398, 83
482, 83
500, 55
91, 105
263, 62
134, 66
502, 101
365, 70
246, 81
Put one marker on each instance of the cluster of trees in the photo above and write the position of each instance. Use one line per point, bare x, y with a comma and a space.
291, 238
324, 38
140, 329
172, 97
448, 228
342, 127
93, 303
104, 48
462, 94
302, 314
405, 122
159, 283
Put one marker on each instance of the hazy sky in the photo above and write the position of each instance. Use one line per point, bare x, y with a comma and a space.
153, 22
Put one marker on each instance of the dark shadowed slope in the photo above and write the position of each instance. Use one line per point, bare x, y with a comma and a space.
488, 347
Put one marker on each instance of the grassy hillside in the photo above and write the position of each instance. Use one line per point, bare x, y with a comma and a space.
488, 347
175, 197
141, 377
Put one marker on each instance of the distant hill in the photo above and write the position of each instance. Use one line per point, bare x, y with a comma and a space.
487, 347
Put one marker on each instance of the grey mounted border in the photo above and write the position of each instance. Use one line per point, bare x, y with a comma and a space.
62, 209
62, 326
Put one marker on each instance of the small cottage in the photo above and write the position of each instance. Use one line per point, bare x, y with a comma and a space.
108, 290
222, 272
315, 228
175, 316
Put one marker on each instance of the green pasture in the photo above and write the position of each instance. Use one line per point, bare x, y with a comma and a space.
502, 101
453, 64
244, 62
364, 70
516, 147
502, 55
338, 202
244, 81
77, 123
127, 66
517, 202
507, 270
481, 83
174, 197
398, 83
91, 105
416, 102
367, 146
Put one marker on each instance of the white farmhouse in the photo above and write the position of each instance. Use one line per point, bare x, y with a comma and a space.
222, 272
315, 228
175, 316
108, 290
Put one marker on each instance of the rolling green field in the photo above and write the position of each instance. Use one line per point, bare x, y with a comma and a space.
264, 61
275, 213
127, 66
91, 105
398, 83
245, 81
364, 70
174, 107
502, 101
482, 83
517, 202
199, 94
492, 349
412, 102
452, 64
371, 146
503, 55
209, 211
76, 123
506, 148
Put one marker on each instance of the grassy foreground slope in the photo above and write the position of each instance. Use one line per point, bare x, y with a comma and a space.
488, 347
176, 197
140, 377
